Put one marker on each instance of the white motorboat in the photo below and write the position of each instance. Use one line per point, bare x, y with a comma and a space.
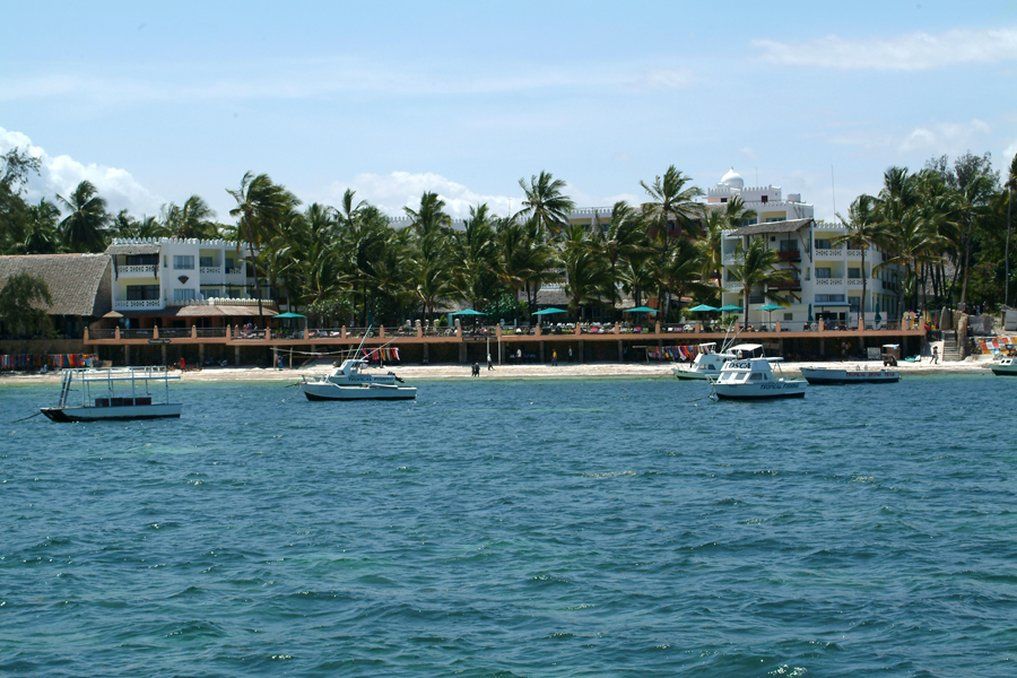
858, 375
1005, 367
706, 364
111, 394
754, 379
349, 382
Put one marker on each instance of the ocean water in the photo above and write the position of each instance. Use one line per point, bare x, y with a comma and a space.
534, 527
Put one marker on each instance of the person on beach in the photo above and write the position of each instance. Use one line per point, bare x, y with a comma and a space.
476, 370
554, 358
935, 355
490, 363
570, 354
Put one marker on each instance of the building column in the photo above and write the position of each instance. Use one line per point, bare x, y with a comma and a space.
621, 352
236, 355
201, 354
127, 355
162, 352
582, 353
541, 351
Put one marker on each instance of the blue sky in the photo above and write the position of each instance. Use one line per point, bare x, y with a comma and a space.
156, 102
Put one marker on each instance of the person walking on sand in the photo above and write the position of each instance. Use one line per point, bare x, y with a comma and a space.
554, 358
935, 355
490, 363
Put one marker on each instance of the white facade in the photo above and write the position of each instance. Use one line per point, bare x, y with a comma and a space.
768, 202
151, 274
827, 277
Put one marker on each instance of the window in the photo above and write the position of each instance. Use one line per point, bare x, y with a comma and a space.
823, 273
824, 244
142, 292
206, 261
788, 317
788, 245
855, 304
765, 198
183, 294
232, 265
829, 298
183, 261
723, 199
141, 260
755, 376
854, 272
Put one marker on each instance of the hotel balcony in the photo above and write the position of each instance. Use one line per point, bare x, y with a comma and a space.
137, 304
829, 282
789, 255
837, 253
787, 285
137, 271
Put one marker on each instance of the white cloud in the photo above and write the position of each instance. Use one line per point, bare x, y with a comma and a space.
322, 78
911, 52
945, 137
60, 174
393, 191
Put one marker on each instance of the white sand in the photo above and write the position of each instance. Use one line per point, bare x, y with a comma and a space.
410, 372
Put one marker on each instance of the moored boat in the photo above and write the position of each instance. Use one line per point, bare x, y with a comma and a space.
859, 375
706, 364
754, 379
349, 382
1005, 367
114, 394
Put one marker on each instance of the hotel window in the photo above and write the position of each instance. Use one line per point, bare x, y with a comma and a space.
232, 265
854, 272
183, 262
823, 273
206, 261
788, 317
824, 244
142, 292
765, 198
183, 294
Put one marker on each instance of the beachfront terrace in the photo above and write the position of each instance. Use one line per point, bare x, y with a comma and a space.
422, 343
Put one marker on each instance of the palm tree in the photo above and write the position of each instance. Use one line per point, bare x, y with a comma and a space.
863, 230
261, 206
20, 301
84, 229
475, 276
622, 241
1011, 186
587, 272
43, 234
195, 219
757, 267
913, 242
546, 204
431, 227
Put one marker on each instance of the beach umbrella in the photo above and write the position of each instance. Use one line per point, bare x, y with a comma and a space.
703, 308
770, 308
549, 311
730, 308
468, 311
289, 315
641, 309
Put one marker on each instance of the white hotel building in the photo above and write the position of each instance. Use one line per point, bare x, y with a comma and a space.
826, 277
156, 274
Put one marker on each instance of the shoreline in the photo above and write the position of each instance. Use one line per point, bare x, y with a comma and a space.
518, 372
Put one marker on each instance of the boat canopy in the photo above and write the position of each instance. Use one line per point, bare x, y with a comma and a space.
745, 347
891, 346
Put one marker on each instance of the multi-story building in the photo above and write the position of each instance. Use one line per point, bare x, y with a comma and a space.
157, 273
767, 202
825, 276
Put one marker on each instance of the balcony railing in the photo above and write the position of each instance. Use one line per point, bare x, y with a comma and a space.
835, 252
137, 304
854, 282
789, 255
138, 271
829, 282
211, 270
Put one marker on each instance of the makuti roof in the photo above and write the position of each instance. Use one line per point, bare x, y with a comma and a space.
789, 226
79, 284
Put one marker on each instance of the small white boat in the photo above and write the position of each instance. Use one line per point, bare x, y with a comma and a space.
349, 382
706, 364
859, 375
1005, 367
114, 394
754, 379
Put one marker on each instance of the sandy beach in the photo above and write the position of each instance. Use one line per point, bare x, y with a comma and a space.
564, 370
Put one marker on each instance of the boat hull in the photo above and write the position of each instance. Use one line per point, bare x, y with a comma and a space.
771, 391
1004, 371
127, 413
317, 392
692, 374
823, 376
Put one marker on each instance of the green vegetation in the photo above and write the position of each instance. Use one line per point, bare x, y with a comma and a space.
946, 226
22, 300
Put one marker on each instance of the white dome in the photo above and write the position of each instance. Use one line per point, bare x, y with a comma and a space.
732, 179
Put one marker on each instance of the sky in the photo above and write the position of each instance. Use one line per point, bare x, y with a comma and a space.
153, 102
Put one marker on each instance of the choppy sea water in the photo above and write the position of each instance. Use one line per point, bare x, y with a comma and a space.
551, 527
